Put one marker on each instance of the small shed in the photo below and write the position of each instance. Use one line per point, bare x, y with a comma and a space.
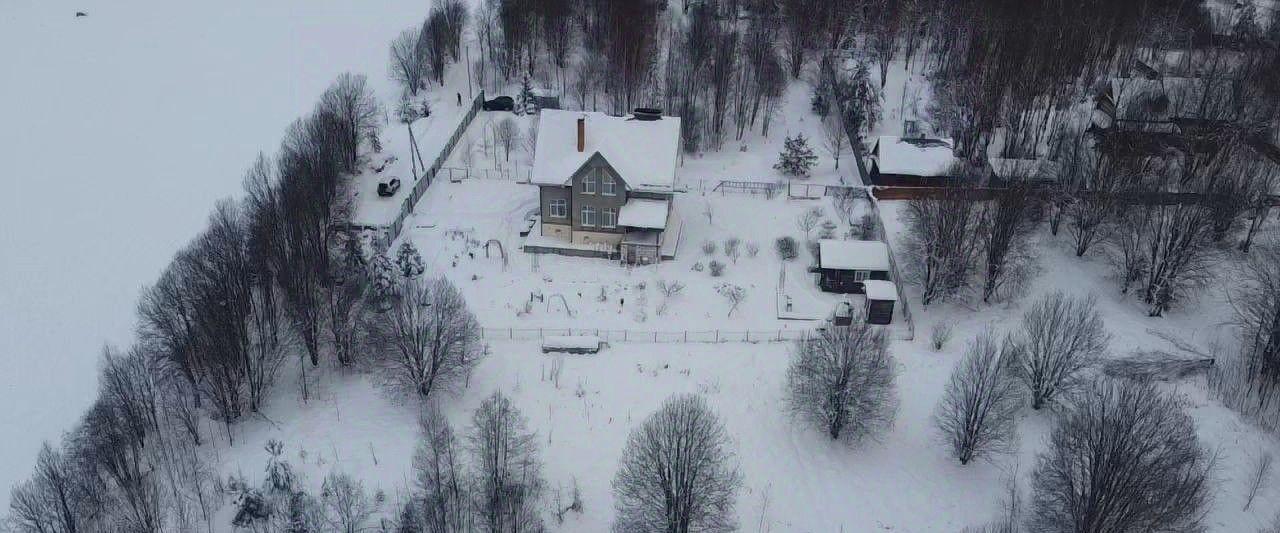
844, 266
546, 99
881, 297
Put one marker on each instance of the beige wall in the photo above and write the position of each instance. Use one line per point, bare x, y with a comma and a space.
560, 231
596, 237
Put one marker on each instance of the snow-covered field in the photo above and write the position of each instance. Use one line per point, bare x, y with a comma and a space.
121, 130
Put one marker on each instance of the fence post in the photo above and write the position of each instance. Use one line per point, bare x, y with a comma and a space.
686, 336
717, 335
655, 336
511, 333
748, 335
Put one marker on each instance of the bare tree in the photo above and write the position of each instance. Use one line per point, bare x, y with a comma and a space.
56, 498
507, 134
734, 294
977, 413
834, 138
1125, 458
1005, 227
354, 111
677, 472
1060, 337
841, 379
732, 249
1259, 478
941, 247
443, 488
808, 220
347, 507
428, 340
506, 470
407, 65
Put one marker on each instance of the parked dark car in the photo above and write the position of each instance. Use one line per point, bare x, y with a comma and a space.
501, 103
389, 187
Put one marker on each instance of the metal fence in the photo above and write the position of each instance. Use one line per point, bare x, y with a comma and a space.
424, 181
631, 335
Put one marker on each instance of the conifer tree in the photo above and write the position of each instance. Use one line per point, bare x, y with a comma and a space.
796, 158
409, 261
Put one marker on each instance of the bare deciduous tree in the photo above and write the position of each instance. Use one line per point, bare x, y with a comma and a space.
444, 490
407, 65
1005, 227
354, 111
1259, 477
941, 247
507, 474
980, 405
677, 472
1060, 337
808, 220
841, 379
1125, 458
347, 507
428, 340
834, 138
506, 134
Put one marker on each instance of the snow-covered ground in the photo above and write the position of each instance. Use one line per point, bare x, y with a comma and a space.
121, 130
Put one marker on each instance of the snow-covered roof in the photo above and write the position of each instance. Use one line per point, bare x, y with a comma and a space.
644, 213
915, 157
643, 152
878, 289
853, 255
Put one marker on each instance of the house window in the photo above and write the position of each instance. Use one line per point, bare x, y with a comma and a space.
589, 184
609, 218
859, 275
559, 208
588, 215
606, 183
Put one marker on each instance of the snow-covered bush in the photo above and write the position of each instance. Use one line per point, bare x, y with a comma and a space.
978, 410
698, 267
868, 228
827, 230
753, 249
796, 158
677, 472
716, 268
383, 273
841, 380
409, 260
787, 248
1125, 456
709, 247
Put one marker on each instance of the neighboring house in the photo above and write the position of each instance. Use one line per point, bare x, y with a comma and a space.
844, 266
912, 162
605, 185
1166, 104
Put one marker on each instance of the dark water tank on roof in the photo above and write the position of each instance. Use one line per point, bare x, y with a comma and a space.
647, 113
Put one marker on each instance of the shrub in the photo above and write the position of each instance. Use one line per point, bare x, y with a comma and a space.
753, 249
786, 247
709, 247
717, 268
939, 335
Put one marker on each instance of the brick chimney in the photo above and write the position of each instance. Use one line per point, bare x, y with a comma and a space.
582, 133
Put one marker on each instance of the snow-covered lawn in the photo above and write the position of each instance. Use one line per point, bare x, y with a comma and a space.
455, 221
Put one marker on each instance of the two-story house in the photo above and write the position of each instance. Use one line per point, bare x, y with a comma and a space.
606, 183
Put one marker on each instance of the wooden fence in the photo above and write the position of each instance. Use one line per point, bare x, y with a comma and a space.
396, 226
517, 174
898, 281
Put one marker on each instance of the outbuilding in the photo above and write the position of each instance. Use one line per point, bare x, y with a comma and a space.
881, 297
844, 266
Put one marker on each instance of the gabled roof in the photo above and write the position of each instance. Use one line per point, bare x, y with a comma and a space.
644, 153
915, 157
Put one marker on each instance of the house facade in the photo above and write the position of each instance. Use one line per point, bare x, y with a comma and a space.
605, 185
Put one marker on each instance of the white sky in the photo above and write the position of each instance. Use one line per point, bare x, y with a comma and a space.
118, 132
